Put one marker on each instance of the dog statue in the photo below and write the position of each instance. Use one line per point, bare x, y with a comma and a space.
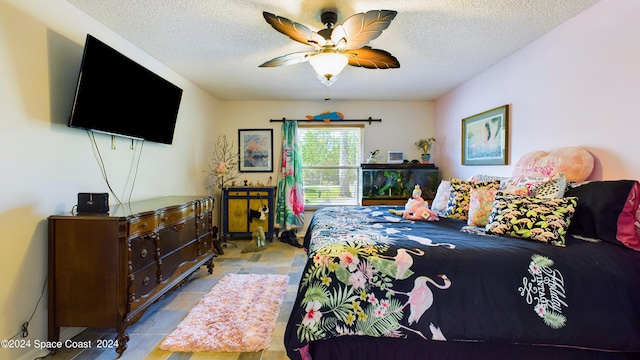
258, 241
290, 237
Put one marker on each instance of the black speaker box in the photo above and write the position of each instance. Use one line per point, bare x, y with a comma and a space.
94, 203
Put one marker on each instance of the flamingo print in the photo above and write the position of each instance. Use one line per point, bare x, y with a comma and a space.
436, 333
421, 297
429, 242
403, 260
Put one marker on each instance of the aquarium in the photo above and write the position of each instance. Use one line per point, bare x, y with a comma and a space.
393, 184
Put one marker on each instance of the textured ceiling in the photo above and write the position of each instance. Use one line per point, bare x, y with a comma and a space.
218, 44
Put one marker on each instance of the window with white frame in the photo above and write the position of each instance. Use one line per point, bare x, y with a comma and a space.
331, 158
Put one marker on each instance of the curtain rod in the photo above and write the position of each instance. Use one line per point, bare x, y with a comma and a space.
370, 120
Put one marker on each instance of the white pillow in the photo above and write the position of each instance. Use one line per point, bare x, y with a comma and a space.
439, 204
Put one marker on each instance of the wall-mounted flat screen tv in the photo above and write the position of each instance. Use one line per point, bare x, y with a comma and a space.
117, 96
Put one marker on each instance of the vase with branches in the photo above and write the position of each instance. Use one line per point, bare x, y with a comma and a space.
425, 145
223, 170
223, 164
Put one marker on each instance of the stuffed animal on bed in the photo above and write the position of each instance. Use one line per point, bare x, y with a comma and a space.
417, 208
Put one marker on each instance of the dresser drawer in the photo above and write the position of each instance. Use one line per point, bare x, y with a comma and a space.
176, 236
206, 244
143, 225
172, 261
206, 205
144, 281
177, 216
250, 193
204, 223
143, 251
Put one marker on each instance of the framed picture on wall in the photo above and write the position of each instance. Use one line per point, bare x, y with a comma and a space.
395, 157
485, 137
255, 148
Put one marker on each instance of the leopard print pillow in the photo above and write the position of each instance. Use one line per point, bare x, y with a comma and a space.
553, 189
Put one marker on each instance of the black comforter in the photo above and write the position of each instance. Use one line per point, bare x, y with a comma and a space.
371, 273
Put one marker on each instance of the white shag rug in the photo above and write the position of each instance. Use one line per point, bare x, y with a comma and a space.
237, 315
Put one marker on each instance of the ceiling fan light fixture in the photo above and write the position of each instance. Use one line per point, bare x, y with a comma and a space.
328, 64
336, 47
328, 81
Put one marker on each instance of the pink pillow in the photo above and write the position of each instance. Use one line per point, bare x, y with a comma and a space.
629, 219
574, 162
480, 206
636, 224
458, 205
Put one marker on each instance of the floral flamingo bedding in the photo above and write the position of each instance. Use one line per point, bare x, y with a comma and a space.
376, 275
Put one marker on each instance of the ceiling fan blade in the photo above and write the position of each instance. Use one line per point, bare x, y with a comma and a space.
289, 59
294, 30
372, 58
361, 28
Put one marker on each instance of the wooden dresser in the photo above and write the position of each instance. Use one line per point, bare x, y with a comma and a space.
106, 269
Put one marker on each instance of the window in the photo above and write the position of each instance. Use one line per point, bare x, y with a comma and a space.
331, 157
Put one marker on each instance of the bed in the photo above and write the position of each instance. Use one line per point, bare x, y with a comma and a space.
379, 286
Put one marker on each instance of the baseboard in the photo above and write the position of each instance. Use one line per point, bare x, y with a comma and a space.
34, 354
65, 334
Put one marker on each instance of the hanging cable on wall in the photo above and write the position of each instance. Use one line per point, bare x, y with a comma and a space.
135, 175
133, 168
103, 170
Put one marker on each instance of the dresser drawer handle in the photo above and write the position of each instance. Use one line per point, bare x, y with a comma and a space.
143, 225
145, 281
143, 253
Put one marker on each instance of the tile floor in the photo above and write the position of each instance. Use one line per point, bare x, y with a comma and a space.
162, 317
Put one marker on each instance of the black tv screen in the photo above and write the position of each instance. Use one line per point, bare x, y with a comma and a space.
118, 96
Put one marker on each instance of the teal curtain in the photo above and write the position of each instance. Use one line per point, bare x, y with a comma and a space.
290, 193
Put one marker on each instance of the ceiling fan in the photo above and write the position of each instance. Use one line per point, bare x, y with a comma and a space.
336, 47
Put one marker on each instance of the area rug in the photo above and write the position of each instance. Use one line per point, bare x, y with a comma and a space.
237, 315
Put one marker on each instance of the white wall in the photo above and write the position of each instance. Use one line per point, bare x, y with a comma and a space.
44, 164
576, 86
407, 121
403, 123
